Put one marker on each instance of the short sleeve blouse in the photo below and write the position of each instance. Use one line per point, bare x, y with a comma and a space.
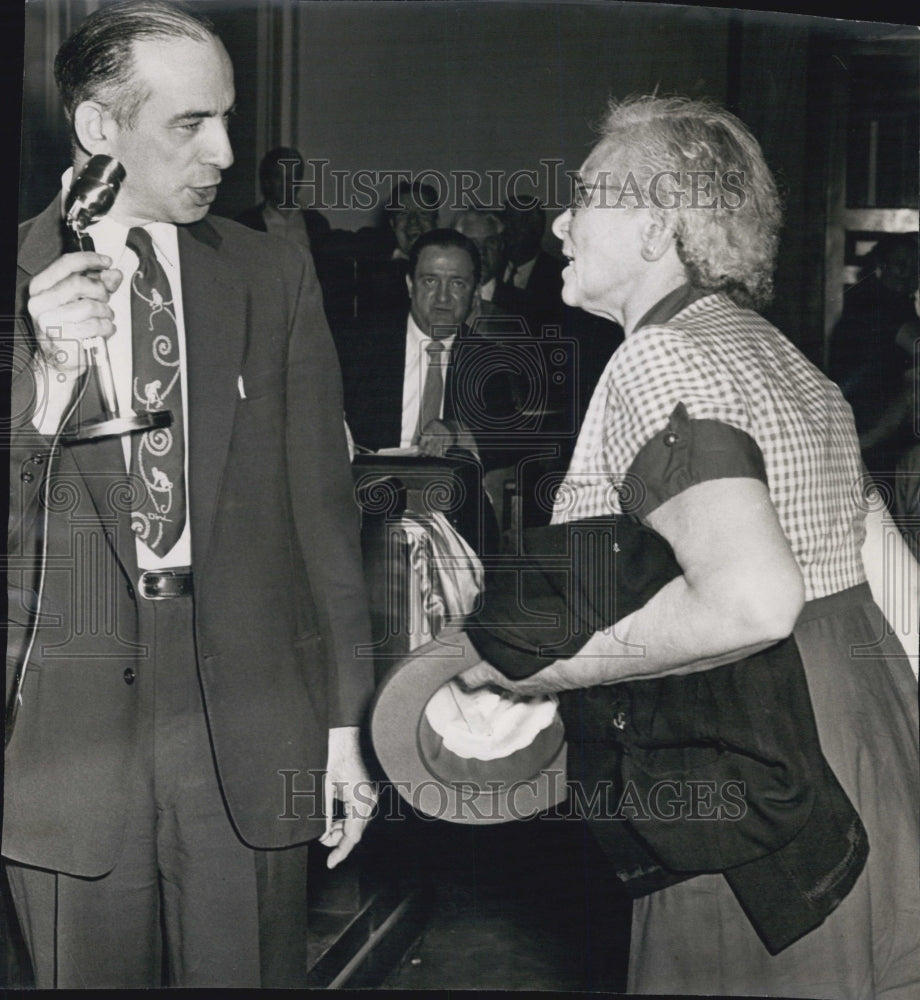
717, 392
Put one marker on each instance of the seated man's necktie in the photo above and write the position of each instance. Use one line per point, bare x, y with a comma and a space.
433, 388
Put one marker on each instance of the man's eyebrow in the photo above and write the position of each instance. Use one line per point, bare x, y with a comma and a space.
185, 116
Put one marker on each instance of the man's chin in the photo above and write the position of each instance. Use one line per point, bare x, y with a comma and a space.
193, 213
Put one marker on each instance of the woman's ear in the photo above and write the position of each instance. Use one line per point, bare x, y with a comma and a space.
657, 237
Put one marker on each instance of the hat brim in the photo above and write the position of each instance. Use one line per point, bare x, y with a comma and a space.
498, 793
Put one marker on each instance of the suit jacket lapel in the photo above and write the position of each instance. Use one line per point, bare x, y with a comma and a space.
450, 382
101, 463
215, 309
393, 364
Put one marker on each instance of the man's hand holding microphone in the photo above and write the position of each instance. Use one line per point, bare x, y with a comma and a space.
68, 303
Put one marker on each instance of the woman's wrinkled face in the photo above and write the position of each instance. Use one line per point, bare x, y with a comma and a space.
601, 239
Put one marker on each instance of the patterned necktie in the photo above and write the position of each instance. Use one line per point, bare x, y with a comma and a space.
433, 389
158, 456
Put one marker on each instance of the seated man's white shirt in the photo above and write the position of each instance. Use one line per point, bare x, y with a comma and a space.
522, 273
416, 369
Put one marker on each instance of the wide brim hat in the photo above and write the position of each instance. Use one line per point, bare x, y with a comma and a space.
498, 778
540, 606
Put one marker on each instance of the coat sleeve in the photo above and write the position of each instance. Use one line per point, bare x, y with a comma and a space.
325, 511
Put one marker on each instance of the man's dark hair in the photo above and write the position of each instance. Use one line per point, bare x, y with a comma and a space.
445, 238
523, 203
425, 196
271, 160
97, 62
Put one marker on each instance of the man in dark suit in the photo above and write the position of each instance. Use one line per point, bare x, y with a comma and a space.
532, 278
387, 361
486, 230
185, 605
279, 213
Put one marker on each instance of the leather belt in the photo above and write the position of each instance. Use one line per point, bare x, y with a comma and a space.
159, 585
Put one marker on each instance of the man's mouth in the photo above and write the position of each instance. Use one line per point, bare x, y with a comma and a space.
206, 193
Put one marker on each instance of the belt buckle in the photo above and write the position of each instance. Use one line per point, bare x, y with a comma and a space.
148, 589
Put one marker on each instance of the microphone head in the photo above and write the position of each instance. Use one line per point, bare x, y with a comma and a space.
93, 192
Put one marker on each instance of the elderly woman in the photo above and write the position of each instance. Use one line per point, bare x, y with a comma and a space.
737, 450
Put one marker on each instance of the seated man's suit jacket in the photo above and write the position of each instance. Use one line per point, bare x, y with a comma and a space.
279, 596
373, 354
318, 227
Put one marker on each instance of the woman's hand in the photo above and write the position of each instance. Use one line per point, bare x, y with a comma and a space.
549, 680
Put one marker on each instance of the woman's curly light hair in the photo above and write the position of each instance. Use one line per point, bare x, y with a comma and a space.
711, 176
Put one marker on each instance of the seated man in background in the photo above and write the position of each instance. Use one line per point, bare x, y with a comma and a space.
421, 380
381, 254
486, 230
412, 209
531, 274
872, 354
280, 213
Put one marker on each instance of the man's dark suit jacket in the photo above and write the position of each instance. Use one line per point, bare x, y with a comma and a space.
279, 595
317, 224
373, 356
540, 303
542, 295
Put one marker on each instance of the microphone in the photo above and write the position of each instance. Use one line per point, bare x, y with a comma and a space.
91, 195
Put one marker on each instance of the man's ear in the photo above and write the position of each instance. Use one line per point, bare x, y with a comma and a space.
657, 237
93, 127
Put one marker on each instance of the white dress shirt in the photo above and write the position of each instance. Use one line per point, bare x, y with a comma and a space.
522, 273
414, 375
109, 238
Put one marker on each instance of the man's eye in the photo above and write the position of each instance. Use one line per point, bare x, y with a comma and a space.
192, 126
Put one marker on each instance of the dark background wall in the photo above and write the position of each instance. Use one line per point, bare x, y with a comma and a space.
505, 86
482, 87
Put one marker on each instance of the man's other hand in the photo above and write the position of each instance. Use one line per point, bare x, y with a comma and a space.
348, 781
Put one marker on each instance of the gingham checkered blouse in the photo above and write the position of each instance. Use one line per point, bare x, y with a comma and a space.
729, 365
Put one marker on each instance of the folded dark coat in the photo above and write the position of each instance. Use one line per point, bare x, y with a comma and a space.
714, 771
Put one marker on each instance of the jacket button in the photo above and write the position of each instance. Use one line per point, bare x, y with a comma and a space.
129, 675
38, 459
131, 591
670, 439
619, 721
27, 477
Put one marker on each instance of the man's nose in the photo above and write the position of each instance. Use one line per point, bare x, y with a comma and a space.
443, 291
561, 224
218, 152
